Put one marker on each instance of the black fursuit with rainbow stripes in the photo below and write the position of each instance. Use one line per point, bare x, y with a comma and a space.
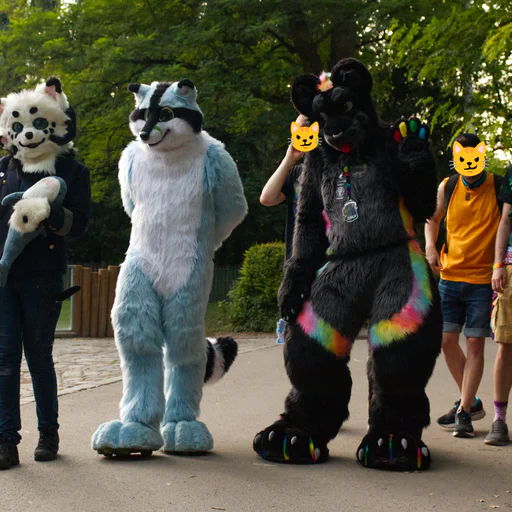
356, 262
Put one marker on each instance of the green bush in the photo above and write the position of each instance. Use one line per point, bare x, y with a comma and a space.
252, 303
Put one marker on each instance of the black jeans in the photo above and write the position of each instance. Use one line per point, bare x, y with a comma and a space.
29, 312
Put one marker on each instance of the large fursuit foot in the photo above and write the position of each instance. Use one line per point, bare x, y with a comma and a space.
284, 442
398, 451
123, 439
187, 437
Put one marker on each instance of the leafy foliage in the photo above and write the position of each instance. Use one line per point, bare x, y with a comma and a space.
252, 303
446, 60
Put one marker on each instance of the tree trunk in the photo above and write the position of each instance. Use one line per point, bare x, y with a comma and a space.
343, 41
300, 35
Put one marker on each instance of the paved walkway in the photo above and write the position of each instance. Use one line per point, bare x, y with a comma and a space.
466, 474
86, 363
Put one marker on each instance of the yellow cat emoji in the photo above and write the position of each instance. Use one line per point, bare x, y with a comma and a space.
304, 138
469, 161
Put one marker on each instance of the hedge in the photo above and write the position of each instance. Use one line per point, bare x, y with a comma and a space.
252, 303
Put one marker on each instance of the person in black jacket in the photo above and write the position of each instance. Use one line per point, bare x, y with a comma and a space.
37, 127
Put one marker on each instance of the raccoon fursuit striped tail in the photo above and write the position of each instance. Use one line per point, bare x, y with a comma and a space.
221, 354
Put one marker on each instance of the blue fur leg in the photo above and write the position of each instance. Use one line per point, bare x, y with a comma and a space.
185, 361
187, 437
137, 321
116, 435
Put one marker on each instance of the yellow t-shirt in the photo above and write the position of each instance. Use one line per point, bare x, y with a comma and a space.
471, 224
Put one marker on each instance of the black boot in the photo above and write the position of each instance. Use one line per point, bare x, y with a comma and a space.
48, 446
8, 454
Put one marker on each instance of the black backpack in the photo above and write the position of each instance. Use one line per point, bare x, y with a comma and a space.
452, 182
448, 192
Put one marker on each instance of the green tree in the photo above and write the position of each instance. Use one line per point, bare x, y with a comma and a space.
243, 56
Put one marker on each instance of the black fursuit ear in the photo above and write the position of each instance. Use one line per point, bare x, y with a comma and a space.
304, 90
134, 88
352, 74
53, 80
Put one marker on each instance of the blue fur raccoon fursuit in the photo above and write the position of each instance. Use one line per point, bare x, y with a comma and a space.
183, 193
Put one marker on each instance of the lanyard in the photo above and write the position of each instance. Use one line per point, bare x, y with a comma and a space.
347, 177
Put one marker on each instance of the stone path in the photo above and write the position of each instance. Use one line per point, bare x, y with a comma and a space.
85, 363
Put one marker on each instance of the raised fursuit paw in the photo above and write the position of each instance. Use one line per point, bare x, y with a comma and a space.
187, 437
282, 442
29, 213
123, 439
411, 135
395, 452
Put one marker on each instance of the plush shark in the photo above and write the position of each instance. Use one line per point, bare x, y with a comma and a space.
30, 209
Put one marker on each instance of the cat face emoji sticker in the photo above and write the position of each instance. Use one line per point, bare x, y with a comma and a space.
469, 161
304, 138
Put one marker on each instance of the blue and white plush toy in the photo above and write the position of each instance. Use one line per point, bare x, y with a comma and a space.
184, 196
26, 220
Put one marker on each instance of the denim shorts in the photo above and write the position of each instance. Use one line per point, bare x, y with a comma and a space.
466, 303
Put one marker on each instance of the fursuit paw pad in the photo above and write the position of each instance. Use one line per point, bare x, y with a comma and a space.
289, 444
395, 452
411, 135
118, 438
187, 437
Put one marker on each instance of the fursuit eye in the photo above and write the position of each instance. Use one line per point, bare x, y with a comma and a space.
166, 114
17, 127
40, 123
461, 159
477, 159
311, 137
298, 137
348, 106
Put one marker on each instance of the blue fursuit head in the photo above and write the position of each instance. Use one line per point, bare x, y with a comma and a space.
183, 193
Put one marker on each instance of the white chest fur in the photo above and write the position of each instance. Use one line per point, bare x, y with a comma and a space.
168, 192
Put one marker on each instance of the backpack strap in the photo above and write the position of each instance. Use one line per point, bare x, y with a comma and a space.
498, 182
449, 188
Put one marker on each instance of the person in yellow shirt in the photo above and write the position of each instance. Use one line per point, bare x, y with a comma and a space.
472, 213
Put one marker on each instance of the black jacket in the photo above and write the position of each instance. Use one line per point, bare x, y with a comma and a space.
48, 254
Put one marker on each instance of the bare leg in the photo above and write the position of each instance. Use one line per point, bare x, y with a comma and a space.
473, 372
454, 356
503, 372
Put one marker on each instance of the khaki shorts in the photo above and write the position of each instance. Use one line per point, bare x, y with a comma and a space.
501, 316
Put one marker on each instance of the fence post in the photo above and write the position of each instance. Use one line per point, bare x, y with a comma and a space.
103, 315
86, 302
95, 303
76, 322
113, 272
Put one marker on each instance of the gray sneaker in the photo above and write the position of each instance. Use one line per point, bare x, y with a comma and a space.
498, 436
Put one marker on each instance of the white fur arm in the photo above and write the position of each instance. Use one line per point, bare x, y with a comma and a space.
29, 213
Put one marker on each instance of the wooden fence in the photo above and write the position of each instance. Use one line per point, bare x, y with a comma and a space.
91, 306
87, 313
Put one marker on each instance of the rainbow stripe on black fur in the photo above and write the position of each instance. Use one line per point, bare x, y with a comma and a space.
318, 329
412, 314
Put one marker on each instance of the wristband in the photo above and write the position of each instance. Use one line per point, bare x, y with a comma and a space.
498, 265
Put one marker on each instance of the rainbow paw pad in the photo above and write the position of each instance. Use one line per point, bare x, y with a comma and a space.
285, 443
412, 127
395, 452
